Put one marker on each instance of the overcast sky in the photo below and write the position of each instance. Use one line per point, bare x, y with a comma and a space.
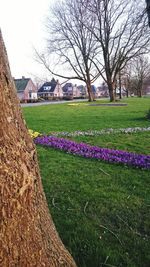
22, 25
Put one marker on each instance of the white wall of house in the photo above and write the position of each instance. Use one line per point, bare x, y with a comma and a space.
58, 92
30, 91
76, 91
146, 89
33, 95
20, 95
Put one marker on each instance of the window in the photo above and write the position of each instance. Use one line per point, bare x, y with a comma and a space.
30, 94
47, 88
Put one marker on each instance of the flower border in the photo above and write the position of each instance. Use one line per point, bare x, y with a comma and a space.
87, 151
101, 132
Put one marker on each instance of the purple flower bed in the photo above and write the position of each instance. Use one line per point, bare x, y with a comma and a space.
87, 151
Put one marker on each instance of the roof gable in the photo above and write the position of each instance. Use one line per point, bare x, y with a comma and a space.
48, 87
21, 83
93, 88
103, 87
67, 87
81, 88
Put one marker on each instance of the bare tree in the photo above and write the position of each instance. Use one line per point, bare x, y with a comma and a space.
140, 72
71, 43
27, 234
122, 33
148, 10
135, 74
126, 80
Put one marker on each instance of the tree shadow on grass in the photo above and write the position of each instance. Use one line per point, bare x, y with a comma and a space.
139, 119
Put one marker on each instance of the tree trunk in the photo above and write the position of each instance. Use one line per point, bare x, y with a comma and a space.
111, 88
139, 93
90, 94
140, 87
120, 91
28, 235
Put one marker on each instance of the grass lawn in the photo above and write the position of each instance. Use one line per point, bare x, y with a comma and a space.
101, 210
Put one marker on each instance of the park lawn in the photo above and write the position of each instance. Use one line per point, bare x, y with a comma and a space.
63, 117
136, 142
101, 210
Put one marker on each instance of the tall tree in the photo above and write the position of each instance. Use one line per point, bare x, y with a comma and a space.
122, 32
27, 234
71, 42
148, 10
126, 80
135, 74
140, 72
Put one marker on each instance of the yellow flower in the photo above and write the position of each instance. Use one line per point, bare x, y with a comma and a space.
33, 134
73, 104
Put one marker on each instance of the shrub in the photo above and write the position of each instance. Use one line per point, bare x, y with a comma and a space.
148, 114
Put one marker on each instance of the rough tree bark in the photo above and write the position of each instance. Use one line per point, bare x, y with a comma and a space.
28, 236
89, 90
111, 89
120, 85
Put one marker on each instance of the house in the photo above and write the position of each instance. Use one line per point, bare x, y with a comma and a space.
71, 91
51, 90
76, 92
83, 91
102, 91
26, 89
146, 90
67, 91
94, 91
146, 87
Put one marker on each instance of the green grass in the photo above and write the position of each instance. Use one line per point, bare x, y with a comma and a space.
69, 118
137, 142
101, 210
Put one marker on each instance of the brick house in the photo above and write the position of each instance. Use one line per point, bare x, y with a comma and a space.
71, 91
76, 92
146, 87
51, 90
67, 91
83, 91
26, 89
102, 91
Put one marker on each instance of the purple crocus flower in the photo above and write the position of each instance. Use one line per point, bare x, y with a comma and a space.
87, 151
